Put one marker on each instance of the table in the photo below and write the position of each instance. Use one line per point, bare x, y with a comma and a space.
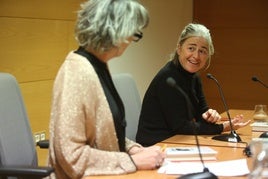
233, 153
245, 133
226, 150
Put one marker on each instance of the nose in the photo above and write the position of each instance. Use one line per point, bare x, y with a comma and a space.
196, 54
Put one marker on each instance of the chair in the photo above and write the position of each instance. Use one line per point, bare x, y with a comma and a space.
127, 89
18, 157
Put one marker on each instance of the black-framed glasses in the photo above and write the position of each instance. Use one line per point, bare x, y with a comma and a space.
137, 36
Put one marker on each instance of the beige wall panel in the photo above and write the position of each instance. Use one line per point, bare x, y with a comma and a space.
37, 98
42, 156
33, 49
38, 9
144, 59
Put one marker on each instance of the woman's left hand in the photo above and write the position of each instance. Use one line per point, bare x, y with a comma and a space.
211, 116
237, 122
135, 149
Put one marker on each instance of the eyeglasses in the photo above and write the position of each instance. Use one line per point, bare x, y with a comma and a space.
137, 36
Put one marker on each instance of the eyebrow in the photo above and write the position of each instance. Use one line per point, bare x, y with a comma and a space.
204, 47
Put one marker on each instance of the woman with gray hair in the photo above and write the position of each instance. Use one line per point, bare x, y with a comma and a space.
87, 124
166, 111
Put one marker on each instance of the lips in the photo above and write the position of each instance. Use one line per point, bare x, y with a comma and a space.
193, 62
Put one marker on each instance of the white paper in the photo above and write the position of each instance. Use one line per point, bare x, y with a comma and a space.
224, 168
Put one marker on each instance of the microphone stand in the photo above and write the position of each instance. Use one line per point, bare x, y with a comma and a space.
205, 174
232, 136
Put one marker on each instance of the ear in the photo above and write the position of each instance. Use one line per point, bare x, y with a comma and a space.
178, 49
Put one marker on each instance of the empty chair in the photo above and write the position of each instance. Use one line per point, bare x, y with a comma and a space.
17, 147
127, 89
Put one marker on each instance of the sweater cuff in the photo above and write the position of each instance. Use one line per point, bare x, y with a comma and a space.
221, 127
133, 162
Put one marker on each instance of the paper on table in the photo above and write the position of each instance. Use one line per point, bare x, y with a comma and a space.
225, 168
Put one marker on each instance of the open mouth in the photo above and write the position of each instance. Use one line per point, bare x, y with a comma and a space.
193, 62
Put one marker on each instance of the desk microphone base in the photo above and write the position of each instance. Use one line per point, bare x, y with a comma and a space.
199, 175
232, 137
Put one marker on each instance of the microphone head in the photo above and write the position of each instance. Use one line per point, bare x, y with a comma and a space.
171, 82
254, 78
209, 76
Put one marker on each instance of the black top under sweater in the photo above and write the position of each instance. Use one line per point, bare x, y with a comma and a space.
114, 100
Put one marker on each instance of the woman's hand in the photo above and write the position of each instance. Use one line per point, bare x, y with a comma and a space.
237, 122
135, 149
211, 116
148, 158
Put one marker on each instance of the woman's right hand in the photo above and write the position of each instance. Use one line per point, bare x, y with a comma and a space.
211, 116
149, 158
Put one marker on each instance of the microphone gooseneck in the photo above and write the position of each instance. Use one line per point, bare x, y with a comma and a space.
233, 136
172, 83
223, 99
205, 174
254, 78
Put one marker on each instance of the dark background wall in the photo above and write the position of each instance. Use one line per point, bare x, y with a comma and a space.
239, 30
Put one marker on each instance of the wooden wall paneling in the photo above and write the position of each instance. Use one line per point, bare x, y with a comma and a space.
239, 90
33, 46
231, 13
238, 30
247, 45
37, 98
37, 95
35, 38
38, 9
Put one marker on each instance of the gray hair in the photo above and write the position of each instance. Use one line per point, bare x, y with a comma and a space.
104, 24
197, 30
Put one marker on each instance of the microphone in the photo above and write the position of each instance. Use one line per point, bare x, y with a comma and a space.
254, 78
205, 173
233, 136
172, 83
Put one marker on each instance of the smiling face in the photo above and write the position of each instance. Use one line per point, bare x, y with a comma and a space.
193, 54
